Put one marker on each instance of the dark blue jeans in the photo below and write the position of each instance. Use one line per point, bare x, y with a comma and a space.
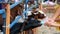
16, 28
28, 26
32, 24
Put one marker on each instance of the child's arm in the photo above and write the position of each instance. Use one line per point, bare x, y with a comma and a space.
56, 14
50, 8
50, 22
55, 24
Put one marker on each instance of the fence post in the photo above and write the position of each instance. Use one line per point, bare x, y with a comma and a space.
8, 19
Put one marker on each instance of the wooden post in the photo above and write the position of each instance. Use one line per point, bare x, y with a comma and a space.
7, 19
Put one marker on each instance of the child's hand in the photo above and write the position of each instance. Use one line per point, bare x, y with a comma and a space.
49, 22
